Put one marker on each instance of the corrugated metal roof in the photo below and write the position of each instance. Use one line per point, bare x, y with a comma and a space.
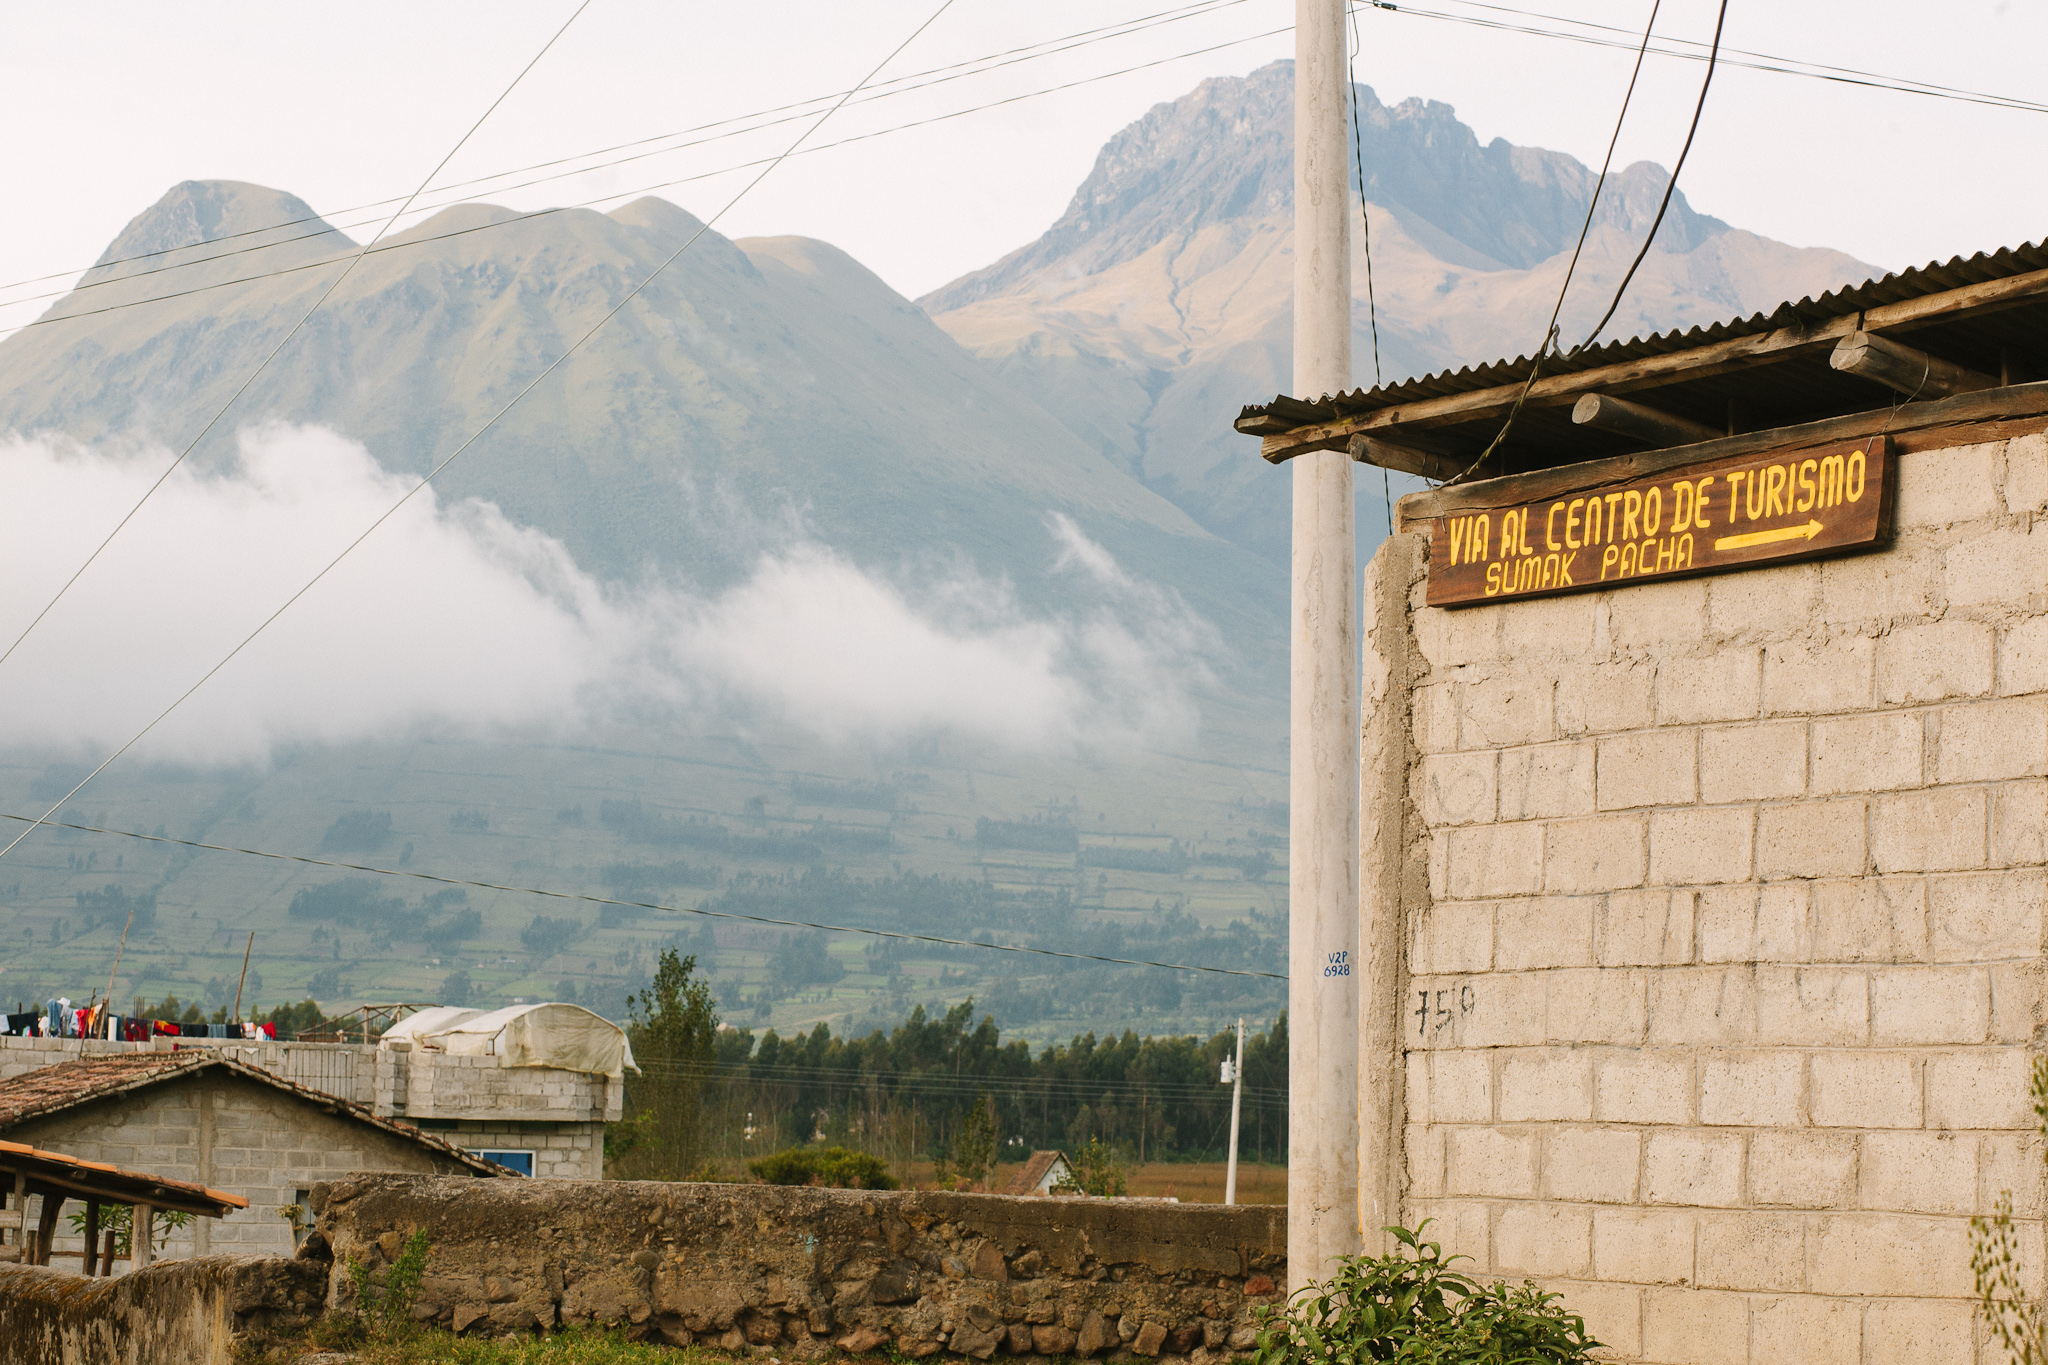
1285, 413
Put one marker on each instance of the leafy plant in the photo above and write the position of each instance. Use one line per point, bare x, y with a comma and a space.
975, 1151
834, 1166
1410, 1306
121, 1218
1098, 1169
1995, 1261
387, 1309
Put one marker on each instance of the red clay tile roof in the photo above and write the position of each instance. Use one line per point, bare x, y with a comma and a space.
53, 1088
101, 1178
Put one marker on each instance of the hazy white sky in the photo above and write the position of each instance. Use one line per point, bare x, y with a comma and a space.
103, 107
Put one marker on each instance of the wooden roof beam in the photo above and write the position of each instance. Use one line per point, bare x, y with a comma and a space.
1639, 421
1913, 373
1406, 459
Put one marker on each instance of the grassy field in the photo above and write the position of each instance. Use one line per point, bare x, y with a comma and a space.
1191, 1182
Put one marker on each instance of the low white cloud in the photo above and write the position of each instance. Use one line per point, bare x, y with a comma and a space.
452, 618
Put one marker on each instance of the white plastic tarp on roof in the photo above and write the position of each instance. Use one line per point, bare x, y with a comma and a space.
428, 1022
566, 1037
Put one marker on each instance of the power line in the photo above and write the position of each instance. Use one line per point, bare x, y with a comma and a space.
474, 436
945, 1084
793, 112
285, 340
33, 821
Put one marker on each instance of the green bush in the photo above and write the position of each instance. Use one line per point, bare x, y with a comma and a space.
386, 1310
834, 1166
1414, 1308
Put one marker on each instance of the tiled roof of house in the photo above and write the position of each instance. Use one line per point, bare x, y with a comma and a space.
103, 1179
1027, 1180
51, 1089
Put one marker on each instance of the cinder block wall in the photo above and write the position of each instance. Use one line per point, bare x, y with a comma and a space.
1721, 910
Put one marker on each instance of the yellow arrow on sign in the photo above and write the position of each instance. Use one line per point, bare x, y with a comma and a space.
1749, 538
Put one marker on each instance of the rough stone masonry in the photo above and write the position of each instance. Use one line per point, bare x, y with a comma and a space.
1716, 912
812, 1271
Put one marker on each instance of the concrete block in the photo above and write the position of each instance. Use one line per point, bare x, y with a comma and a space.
1513, 708
1592, 1165
1496, 860
1752, 762
2026, 474
1934, 662
1458, 788
1807, 677
1460, 1086
1545, 931
1919, 1332
1802, 1170
1544, 1239
1448, 639
1759, 603
1597, 1005
1989, 741
1644, 928
1600, 698
1989, 568
1546, 781
1802, 1329
1871, 919
1613, 1314
2023, 657
1633, 1086
1695, 1326
1547, 629
1812, 1006
1753, 1089
1855, 754
1693, 1168
1918, 1172
1422, 1151
1756, 924
1644, 1246
1980, 1088
1986, 918
1891, 1255
1919, 1005
1433, 715
1865, 1090
1943, 487
2016, 1001
1655, 616
1898, 585
1605, 853
2019, 823
1538, 1084
1695, 847
2010, 1163
1462, 1227
1647, 768
1703, 1006
1753, 1251
1727, 685
1811, 839
1455, 936
1940, 830
1505, 1010
1493, 1163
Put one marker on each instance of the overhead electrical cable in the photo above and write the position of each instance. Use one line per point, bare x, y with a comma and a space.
474, 436
44, 820
286, 339
794, 112
1365, 224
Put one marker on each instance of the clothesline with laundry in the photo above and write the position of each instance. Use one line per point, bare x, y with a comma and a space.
59, 1018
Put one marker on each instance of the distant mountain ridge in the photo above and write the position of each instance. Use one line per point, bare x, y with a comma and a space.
1161, 299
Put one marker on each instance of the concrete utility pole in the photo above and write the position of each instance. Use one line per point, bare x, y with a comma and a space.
1322, 994
1233, 1071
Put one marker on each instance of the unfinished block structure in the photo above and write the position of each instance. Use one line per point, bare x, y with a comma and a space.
1702, 916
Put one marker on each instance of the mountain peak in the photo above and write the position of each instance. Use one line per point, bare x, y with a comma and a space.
181, 227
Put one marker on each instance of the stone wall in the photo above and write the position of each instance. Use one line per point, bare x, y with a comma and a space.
1720, 904
172, 1313
812, 1271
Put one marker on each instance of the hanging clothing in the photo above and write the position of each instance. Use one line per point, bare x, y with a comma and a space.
23, 1025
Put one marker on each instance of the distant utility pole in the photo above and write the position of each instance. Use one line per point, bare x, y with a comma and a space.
1322, 996
1233, 1071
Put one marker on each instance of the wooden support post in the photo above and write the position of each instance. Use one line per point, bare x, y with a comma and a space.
1913, 373
1639, 422
92, 1233
46, 1226
141, 1226
107, 1252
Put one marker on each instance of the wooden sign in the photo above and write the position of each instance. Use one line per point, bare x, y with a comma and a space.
1716, 517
